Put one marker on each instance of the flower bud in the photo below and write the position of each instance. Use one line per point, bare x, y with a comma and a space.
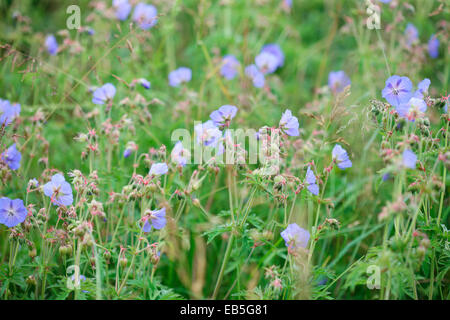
123, 262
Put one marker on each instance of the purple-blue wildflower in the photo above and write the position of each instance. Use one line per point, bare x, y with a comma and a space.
311, 182
223, 116
12, 212
59, 191
12, 157
433, 46
411, 34
289, 124
8, 112
230, 67
275, 50
257, 77
337, 81
413, 109
51, 44
145, 15
397, 90
266, 62
145, 83
340, 155
422, 89
123, 9
127, 152
158, 169
155, 219
207, 133
409, 159
179, 76
104, 94
295, 237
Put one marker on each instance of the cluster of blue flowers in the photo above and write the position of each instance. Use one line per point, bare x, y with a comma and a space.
412, 38
145, 15
270, 58
399, 93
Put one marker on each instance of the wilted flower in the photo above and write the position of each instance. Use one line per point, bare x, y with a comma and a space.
8, 112
412, 34
289, 123
223, 116
433, 46
397, 90
413, 109
12, 212
179, 154
257, 77
230, 67
104, 94
123, 9
180, 76
409, 159
295, 237
341, 157
155, 219
145, 15
59, 191
158, 169
311, 182
337, 81
12, 157
51, 44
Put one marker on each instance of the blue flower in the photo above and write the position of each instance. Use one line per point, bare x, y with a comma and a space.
255, 75
145, 83
385, 1
123, 9
337, 81
104, 94
127, 152
276, 51
230, 67
341, 157
155, 219
412, 34
413, 109
266, 62
433, 46
8, 112
179, 76
311, 182
295, 237
422, 89
289, 124
12, 212
207, 133
179, 154
397, 90
12, 157
51, 44
158, 169
409, 159
223, 116
145, 15
59, 191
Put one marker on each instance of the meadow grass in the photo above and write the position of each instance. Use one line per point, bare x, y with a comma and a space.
221, 239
